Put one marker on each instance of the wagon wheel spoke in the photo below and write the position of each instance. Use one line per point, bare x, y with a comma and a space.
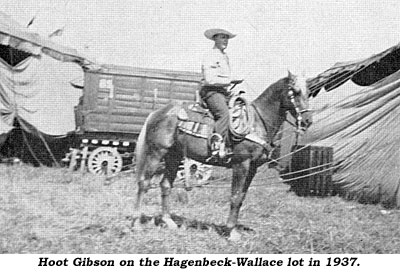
105, 161
200, 172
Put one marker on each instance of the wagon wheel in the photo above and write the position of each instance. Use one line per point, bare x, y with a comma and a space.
200, 172
105, 161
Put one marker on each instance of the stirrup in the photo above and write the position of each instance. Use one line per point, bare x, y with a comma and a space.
221, 155
214, 157
218, 149
215, 142
222, 152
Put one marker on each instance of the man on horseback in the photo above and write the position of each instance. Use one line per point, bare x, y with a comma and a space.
214, 92
169, 134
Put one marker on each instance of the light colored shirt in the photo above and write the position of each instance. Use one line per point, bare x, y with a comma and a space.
216, 69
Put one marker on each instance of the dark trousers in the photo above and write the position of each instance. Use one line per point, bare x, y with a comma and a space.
217, 103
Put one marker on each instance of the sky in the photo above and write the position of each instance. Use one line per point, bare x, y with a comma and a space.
306, 37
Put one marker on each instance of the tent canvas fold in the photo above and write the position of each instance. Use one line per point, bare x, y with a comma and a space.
362, 125
14, 35
37, 99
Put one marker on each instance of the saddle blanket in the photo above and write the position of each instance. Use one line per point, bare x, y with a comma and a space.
195, 120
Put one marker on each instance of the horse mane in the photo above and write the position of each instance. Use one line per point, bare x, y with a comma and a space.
272, 92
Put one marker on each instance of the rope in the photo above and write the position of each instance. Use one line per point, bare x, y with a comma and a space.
291, 153
239, 125
342, 81
312, 168
347, 75
314, 173
285, 180
342, 78
30, 148
48, 148
227, 185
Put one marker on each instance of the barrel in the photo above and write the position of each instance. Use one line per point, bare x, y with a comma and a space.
310, 171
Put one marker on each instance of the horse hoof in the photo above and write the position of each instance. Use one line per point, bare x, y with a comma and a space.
182, 196
234, 236
136, 224
139, 221
169, 223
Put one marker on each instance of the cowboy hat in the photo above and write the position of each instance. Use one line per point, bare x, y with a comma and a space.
209, 33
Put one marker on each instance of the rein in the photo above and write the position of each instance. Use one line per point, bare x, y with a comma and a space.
269, 146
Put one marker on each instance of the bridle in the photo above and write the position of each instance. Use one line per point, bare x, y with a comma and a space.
299, 118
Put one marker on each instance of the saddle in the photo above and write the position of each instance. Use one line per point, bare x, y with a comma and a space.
197, 120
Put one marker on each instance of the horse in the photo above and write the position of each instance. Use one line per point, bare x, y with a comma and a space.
161, 140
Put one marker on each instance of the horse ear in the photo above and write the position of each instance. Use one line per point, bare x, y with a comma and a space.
290, 74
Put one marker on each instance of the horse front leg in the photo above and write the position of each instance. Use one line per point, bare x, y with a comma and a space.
243, 174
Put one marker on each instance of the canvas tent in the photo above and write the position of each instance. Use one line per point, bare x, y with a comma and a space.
37, 98
360, 118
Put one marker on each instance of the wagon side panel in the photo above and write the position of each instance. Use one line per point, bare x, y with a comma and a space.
116, 102
119, 100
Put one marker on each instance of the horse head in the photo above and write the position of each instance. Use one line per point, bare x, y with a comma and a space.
296, 101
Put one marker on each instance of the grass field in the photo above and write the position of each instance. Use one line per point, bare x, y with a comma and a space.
49, 210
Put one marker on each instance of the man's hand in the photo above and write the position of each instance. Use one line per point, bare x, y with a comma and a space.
235, 82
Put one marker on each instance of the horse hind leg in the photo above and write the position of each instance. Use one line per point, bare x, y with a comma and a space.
172, 162
146, 168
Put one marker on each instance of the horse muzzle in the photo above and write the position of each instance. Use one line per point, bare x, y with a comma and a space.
303, 126
304, 120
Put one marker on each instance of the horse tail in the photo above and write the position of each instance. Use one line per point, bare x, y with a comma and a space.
141, 149
144, 163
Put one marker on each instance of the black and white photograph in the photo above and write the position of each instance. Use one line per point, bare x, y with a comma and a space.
243, 128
